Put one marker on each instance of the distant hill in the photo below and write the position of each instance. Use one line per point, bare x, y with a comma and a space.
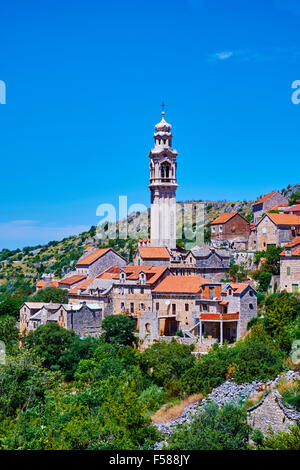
19, 269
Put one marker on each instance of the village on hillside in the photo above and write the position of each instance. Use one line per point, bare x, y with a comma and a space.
202, 296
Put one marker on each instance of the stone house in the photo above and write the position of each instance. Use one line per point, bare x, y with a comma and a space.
132, 289
231, 227
267, 203
290, 267
276, 229
272, 412
29, 309
93, 291
152, 255
84, 319
91, 264
200, 307
34, 314
204, 262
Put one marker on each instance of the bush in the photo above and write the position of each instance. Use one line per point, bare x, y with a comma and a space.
213, 428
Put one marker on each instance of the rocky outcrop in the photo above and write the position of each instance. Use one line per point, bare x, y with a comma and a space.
227, 392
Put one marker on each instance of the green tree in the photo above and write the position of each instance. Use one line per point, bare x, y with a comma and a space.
294, 198
11, 306
166, 363
50, 342
118, 329
264, 279
281, 440
213, 428
8, 330
51, 294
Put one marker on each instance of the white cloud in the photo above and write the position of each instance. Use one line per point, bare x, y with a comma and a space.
223, 55
25, 232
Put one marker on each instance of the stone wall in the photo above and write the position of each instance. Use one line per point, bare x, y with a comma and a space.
266, 234
85, 321
271, 412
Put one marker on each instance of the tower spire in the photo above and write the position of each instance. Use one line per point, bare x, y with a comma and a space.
163, 185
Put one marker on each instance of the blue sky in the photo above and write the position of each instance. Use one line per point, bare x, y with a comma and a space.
85, 81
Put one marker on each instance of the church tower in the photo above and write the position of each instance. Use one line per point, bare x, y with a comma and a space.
163, 185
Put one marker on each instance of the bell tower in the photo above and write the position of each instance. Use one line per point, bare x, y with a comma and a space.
163, 185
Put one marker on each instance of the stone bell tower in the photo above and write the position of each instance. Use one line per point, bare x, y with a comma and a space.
163, 185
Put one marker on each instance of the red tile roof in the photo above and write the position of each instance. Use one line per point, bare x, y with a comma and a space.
153, 273
69, 281
223, 218
181, 284
238, 287
296, 207
83, 285
47, 283
90, 259
264, 198
284, 219
294, 242
154, 252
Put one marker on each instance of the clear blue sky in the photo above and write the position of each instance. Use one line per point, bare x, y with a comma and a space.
85, 81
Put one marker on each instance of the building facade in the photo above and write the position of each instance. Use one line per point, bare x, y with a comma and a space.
266, 203
276, 229
290, 267
231, 227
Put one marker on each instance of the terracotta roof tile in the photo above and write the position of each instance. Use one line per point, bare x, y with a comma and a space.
294, 242
284, 219
296, 207
181, 284
47, 283
224, 218
69, 281
239, 287
93, 257
83, 285
264, 198
151, 252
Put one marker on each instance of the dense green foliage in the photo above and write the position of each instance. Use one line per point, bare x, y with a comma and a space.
51, 294
253, 358
11, 306
119, 329
213, 428
289, 440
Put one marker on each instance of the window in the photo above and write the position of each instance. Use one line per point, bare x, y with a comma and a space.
142, 290
186, 307
173, 309
157, 306
131, 307
251, 306
288, 271
213, 229
295, 288
221, 229
122, 305
251, 293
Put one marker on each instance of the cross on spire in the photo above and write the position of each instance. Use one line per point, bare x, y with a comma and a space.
163, 108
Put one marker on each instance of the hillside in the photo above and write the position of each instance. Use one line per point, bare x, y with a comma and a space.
20, 268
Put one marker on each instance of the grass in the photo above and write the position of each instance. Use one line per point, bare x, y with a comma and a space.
174, 409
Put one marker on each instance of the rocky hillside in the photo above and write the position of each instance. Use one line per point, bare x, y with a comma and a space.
19, 269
